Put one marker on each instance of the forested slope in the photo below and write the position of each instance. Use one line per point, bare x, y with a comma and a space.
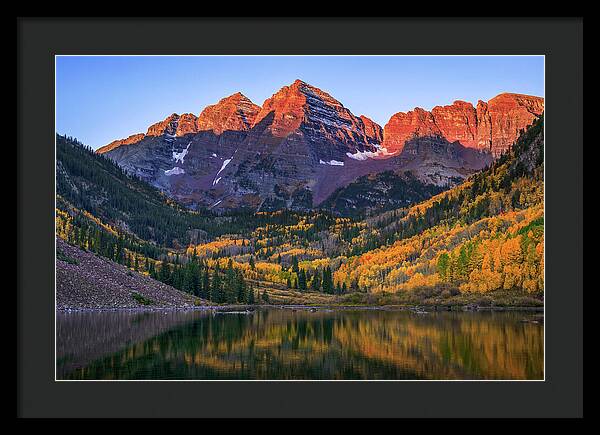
486, 234
93, 183
483, 236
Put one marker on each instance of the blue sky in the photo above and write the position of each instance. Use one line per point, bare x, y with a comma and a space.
99, 99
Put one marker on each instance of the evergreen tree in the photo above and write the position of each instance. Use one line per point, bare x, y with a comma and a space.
462, 263
200, 289
230, 287
251, 300
315, 284
152, 270
190, 278
327, 281
302, 280
206, 291
119, 252
241, 288
164, 274
443, 264
216, 291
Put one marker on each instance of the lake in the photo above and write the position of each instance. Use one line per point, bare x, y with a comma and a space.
276, 343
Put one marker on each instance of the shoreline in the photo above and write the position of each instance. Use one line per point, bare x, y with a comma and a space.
419, 309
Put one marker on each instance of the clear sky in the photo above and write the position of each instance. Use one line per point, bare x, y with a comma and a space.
99, 99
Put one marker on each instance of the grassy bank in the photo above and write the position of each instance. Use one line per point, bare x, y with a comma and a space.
439, 297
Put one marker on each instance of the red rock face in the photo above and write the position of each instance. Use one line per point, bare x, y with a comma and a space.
318, 115
484, 126
404, 126
298, 108
186, 124
174, 125
373, 130
235, 112
134, 138
167, 126
287, 109
507, 114
232, 113
457, 122
492, 126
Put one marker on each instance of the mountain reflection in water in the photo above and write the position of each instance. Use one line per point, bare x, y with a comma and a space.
285, 344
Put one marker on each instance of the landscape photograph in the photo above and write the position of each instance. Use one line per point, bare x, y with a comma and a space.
299, 218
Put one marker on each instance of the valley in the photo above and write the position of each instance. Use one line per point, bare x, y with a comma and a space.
478, 244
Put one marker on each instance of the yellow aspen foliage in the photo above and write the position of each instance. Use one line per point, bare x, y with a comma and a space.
501, 252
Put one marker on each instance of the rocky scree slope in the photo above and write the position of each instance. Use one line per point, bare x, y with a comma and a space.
85, 281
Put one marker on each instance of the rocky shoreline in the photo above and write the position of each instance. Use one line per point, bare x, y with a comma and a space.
250, 308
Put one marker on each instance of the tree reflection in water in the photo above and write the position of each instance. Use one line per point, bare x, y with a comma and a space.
286, 344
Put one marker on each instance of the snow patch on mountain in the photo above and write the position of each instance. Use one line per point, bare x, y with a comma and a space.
364, 155
175, 171
225, 163
178, 157
332, 163
223, 166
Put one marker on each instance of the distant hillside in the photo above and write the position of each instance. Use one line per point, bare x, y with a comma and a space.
93, 183
376, 193
484, 235
92, 188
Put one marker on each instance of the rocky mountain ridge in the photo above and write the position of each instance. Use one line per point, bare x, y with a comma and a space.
302, 144
491, 126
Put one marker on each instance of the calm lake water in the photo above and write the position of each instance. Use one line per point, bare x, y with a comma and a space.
285, 344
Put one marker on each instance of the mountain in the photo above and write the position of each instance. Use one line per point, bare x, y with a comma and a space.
492, 126
105, 203
479, 242
95, 194
302, 145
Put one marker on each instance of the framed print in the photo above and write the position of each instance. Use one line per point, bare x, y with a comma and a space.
315, 221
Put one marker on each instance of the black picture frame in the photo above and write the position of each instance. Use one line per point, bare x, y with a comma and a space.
560, 40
